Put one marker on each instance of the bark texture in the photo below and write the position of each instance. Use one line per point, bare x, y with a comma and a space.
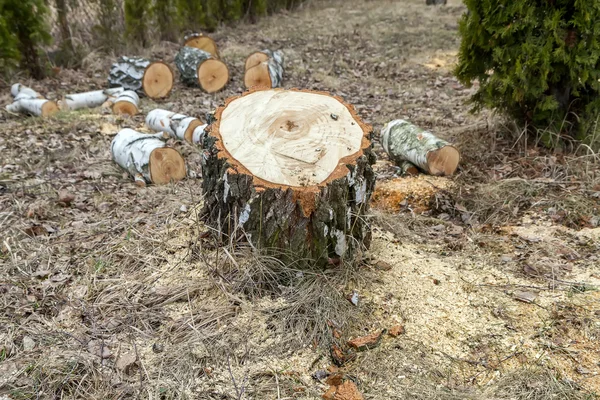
187, 61
404, 141
128, 73
323, 222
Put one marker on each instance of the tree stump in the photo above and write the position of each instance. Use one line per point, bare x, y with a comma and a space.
154, 79
147, 158
404, 141
202, 42
290, 170
198, 67
264, 68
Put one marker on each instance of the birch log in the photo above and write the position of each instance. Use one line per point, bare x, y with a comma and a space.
154, 79
198, 67
290, 170
177, 126
28, 101
126, 103
202, 42
95, 98
147, 158
404, 141
264, 68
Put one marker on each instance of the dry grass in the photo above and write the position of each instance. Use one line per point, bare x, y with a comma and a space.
123, 268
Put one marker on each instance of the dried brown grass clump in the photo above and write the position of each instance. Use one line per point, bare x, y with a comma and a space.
307, 302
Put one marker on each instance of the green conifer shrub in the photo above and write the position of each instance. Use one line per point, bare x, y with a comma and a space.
537, 61
23, 30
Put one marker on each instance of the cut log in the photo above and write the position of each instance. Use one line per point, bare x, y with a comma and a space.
37, 107
147, 158
197, 67
154, 79
202, 42
28, 101
20, 91
177, 126
126, 103
91, 99
264, 68
290, 170
404, 141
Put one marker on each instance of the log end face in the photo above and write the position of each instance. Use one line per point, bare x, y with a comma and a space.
258, 76
166, 165
124, 108
158, 79
49, 108
255, 59
213, 75
444, 161
202, 42
189, 132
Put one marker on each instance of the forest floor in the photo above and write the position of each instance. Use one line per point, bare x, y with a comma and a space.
119, 293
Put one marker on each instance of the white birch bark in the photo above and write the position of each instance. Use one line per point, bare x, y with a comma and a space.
174, 124
131, 150
404, 141
32, 106
95, 98
20, 91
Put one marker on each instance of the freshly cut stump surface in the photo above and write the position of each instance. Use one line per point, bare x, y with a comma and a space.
289, 137
157, 81
290, 170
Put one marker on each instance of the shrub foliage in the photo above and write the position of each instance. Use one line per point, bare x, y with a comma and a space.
537, 61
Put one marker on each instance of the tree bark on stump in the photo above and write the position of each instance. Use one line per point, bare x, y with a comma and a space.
264, 68
126, 103
177, 126
28, 101
290, 170
95, 98
198, 67
404, 141
154, 79
147, 158
202, 42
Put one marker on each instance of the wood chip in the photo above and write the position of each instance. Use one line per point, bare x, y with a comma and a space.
396, 330
524, 296
366, 342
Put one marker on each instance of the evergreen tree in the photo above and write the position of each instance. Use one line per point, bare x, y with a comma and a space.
23, 30
191, 15
135, 20
164, 13
537, 61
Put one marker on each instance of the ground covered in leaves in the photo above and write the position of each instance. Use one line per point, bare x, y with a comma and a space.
487, 280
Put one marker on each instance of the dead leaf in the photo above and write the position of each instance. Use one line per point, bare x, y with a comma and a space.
125, 362
36, 230
65, 198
